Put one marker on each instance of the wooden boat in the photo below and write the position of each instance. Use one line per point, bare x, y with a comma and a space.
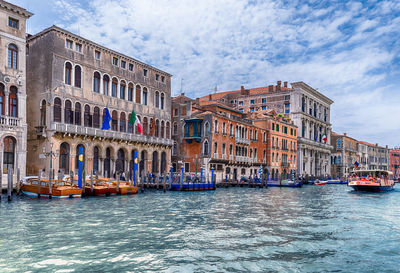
371, 180
101, 187
60, 188
320, 183
125, 188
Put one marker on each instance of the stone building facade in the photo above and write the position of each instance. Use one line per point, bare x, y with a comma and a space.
378, 157
13, 123
71, 83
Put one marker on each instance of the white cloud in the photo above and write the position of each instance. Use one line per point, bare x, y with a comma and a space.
344, 49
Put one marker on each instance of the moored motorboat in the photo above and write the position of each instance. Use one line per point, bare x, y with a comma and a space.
285, 183
60, 188
125, 188
320, 183
371, 180
101, 187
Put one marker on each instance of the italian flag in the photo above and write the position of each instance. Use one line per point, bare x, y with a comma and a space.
324, 138
136, 122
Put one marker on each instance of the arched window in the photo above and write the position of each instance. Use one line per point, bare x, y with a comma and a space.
13, 56
145, 126
231, 130
303, 129
175, 128
303, 104
78, 76
64, 157
162, 101
130, 92
120, 163
138, 94
114, 121
96, 157
145, 96
216, 126
122, 122
68, 115
157, 100
13, 102
162, 135
96, 82
205, 147
78, 111
114, 87
106, 85
215, 147
155, 162
2, 100
68, 73
9, 153
96, 117
43, 113
130, 126
87, 117
157, 129
167, 130
122, 89
174, 148
57, 110
207, 129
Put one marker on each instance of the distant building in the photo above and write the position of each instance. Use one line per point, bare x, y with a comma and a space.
71, 83
395, 162
345, 155
13, 124
308, 108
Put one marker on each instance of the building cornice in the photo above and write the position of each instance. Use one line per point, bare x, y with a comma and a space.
15, 9
312, 91
95, 45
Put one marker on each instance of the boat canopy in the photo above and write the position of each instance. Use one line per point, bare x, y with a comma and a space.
373, 173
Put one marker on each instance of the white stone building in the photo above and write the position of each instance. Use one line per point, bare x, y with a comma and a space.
310, 111
13, 127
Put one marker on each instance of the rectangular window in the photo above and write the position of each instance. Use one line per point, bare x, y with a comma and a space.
144, 72
273, 126
123, 64
251, 101
69, 44
187, 167
97, 54
14, 23
240, 102
115, 61
264, 100
78, 47
264, 107
157, 77
130, 67
162, 79
277, 127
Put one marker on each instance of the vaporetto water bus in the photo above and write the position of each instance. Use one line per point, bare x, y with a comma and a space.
371, 180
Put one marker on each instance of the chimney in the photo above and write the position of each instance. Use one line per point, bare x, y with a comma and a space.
270, 88
345, 134
278, 86
182, 94
285, 84
210, 97
242, 90
197, 101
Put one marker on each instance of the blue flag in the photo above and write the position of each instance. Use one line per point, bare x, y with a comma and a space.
106, 120
356, 164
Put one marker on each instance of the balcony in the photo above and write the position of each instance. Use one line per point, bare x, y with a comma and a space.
9, 121
231, 157
240, 140
216, 156
303, 140
224, 156
94, 132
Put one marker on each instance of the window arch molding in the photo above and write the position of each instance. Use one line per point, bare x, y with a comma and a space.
68, 72
97, 84
78, 71
105, 89
12, 56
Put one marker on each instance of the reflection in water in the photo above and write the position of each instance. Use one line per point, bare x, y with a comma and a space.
312, 229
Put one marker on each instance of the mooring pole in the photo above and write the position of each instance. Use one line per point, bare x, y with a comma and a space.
10, 183
1, 182
118, 192
91, 183
181, 181
39, 181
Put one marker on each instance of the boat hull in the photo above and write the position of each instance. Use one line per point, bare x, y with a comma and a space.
285, 185
62, 192
366, 188
100, 191
127, 189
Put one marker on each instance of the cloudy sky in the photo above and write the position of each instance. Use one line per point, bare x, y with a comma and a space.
348, 50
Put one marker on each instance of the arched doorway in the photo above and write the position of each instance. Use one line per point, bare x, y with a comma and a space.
120, 163
9, 153
163, 162
154, 163
142, 164
107, 163
64, 158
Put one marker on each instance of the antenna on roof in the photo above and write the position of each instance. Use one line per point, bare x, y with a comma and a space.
215, 89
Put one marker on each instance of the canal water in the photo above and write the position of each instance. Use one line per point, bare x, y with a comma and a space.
311, 229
